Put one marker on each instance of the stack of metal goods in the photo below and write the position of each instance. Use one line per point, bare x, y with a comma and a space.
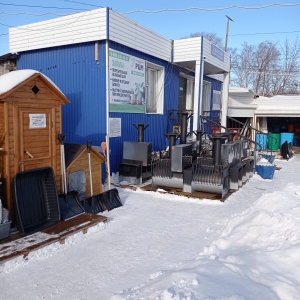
136, 162
187, 167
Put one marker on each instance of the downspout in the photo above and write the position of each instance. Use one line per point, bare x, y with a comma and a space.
198, 103
200, 84
225, 100
107, 71
172, 52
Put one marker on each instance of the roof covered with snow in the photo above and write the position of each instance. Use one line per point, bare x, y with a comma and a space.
278, 106
12, 79
244, 101
241, 102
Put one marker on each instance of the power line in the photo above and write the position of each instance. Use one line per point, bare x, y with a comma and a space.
5, 25
144, 11
81, 3
257, 33
38, 6
31, 14
212, 9
162, 10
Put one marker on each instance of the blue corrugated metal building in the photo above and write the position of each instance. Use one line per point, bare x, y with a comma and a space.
79, 63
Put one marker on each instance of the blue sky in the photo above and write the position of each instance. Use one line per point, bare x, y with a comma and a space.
254, 21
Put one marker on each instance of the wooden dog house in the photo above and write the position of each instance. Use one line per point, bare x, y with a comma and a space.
76, 158
30, 121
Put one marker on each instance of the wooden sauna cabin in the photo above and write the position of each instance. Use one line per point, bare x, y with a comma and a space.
30, 121
77, 166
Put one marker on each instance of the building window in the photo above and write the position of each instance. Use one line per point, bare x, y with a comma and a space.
206, 98
216, 101
190, 90
155, 89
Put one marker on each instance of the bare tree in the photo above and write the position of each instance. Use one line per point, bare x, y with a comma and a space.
212, 37
241, 66
287, 80
267, 69
266, 58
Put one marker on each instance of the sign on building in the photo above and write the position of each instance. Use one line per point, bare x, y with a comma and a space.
127, 83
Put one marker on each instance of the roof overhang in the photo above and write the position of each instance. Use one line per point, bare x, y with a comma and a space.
209, 69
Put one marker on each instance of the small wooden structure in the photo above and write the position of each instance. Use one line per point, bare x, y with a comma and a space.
30, 121
76, 158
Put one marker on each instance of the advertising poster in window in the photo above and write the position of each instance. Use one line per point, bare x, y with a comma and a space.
127, 83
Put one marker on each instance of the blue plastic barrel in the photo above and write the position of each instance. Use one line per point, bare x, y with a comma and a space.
262, 140
286, 136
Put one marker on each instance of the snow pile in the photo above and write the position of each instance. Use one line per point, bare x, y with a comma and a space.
257, 254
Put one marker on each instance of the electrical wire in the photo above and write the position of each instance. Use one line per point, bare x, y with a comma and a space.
50, 28
258, 33
81, 3
31, 14
213, 9
39, 6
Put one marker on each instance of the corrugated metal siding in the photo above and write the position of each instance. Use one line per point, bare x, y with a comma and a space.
72, 29
187, 49
86, 27
74, 70
157, 123
213, 59
126, 32
190, 50
215, 84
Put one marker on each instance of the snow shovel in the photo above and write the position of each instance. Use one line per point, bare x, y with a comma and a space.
94, 202
69, 203
110, 197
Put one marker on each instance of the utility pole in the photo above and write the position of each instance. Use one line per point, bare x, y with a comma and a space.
227, 30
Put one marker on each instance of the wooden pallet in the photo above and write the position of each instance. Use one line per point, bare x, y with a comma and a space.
179, 192
20, 246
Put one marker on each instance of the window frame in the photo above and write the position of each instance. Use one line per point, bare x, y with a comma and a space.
190, 91
160, 74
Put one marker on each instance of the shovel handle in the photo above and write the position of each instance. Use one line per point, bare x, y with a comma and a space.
61, 137
89, 146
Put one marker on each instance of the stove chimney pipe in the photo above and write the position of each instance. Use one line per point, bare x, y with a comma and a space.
183, 135
172, 142
141, 131
217, 141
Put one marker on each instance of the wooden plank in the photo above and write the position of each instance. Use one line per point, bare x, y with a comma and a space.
21, 246
179, 192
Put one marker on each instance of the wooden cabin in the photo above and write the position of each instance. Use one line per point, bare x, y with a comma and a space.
30, 121
76, 159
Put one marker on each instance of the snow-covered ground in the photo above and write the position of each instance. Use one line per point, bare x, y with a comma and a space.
162, 246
